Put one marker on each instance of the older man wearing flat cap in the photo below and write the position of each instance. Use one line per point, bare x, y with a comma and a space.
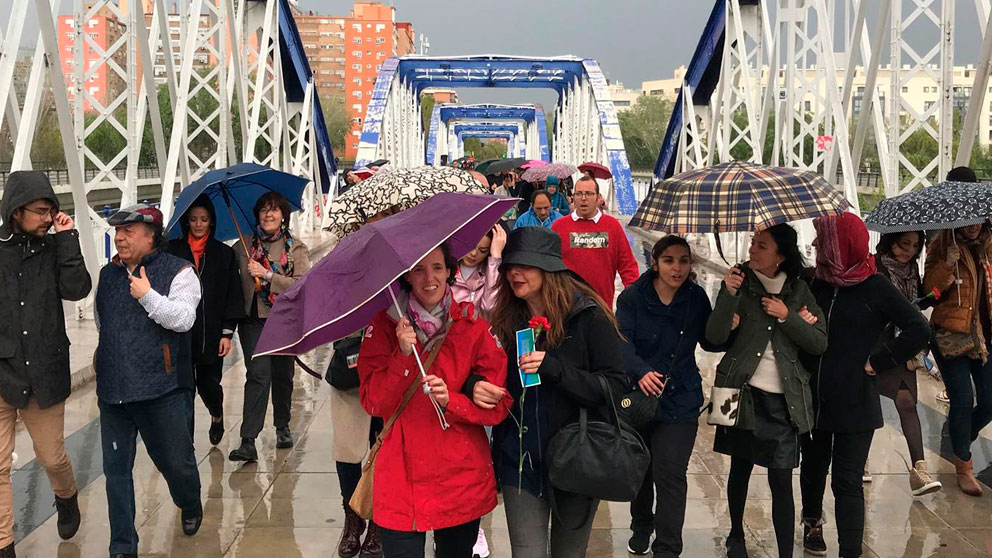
145, 307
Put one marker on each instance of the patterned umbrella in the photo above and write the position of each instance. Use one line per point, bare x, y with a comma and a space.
738, 197
948, 205
395, 189
542, 172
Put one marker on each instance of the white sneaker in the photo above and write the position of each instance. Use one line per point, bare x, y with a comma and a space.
481, 548
866, 476
13, 460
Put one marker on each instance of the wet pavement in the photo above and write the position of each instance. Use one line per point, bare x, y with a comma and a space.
289, 505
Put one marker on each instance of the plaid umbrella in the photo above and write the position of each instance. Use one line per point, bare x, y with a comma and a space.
736, 196
542, 172
395, 189
948, 205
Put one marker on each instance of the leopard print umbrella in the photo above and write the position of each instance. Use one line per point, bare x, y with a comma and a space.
392, 190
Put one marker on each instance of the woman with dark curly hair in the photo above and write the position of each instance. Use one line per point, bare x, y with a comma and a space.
896, 257
778, 318
272, 263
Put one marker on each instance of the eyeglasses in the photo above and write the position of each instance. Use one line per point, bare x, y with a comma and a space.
585, 194
51, 212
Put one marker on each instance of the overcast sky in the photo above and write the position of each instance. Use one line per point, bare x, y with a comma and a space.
633, 40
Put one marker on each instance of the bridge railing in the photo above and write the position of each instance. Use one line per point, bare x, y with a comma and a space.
60, 176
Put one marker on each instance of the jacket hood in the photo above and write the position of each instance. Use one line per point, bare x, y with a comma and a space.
22, 188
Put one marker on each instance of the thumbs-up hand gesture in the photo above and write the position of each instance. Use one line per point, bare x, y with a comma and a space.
140, 284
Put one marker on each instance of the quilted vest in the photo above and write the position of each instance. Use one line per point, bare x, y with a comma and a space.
137, 359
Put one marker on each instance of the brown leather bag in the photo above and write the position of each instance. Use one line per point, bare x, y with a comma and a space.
361, 500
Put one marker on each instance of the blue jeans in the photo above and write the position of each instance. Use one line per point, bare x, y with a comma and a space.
971, 408
164, 427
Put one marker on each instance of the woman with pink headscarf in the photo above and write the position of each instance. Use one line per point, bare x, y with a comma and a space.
859, 305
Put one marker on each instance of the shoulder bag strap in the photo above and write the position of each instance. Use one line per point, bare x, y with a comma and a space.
408, 395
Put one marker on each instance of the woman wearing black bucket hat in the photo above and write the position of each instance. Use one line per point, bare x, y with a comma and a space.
579, 344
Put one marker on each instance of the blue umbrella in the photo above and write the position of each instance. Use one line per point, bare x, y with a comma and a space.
234, 191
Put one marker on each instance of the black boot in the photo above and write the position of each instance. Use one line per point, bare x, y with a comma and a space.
68, 522
351, 538
372, 547
216, 431
245, 452
192, 519
736, 548
7, 551
284, 438
813, 542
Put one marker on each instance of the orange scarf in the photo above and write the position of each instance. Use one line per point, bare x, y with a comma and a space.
198, 246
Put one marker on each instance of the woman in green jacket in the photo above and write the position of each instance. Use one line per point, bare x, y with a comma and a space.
767, 314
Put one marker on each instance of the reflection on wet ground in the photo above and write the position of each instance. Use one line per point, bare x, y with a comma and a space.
289, 505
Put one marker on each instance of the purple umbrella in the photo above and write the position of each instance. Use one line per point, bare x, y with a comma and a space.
342, 293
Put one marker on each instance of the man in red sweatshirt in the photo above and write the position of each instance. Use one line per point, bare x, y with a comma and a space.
593, 244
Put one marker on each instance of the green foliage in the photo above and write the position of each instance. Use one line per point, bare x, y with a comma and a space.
550, 126
337, 120
484, 150
426, 110
643, 127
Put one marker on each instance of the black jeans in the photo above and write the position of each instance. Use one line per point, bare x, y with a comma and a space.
263, 374
971, 409
453, 542
849, 453
671, 447
208, 378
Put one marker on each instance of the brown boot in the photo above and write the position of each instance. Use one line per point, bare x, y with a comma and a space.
372, 548
966, 478
351, 538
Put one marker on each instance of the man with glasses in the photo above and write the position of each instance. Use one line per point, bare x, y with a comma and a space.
38, 271
594, 244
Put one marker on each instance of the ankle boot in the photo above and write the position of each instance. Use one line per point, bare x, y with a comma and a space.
68, 512
966, 477
7, 551
351, 538
372, 548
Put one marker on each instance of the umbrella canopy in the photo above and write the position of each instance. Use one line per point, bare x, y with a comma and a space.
234, 191
533, 163
948, 205
342, 293
378, 163
738, 197
481, 167
542, 172
395, 188
504, 165
596, 170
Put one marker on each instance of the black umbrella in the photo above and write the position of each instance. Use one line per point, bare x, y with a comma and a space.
505, 165
378, 163
948, 205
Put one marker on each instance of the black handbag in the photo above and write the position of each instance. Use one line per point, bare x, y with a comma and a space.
342, 371
639, 410
601, 460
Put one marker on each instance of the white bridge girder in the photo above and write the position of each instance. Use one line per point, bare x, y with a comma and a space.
586, 126
787, 66
242, 82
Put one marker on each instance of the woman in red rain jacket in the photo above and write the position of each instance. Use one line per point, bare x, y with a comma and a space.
427, 478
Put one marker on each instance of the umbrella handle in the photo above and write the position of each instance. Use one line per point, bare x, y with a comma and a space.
241, 237
420, 365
